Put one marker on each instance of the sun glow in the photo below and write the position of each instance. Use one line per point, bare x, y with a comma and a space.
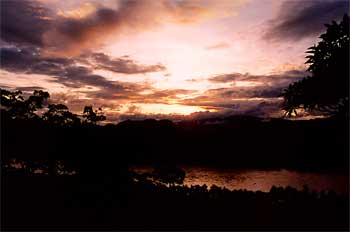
169, 109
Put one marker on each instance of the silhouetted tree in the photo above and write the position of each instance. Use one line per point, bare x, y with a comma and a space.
327, 88
59, 114
91, 116
18, 107
169, 175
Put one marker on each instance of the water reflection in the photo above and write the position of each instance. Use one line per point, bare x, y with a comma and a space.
262, 180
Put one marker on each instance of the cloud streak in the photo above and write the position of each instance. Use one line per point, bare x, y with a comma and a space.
118, 65
276, 80
221, 45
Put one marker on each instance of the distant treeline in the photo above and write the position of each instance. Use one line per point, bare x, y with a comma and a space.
244, 142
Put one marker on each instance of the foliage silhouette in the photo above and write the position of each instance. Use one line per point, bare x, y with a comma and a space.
58, 114
327, 88
20, 108
91, 116
15, 106
169, 175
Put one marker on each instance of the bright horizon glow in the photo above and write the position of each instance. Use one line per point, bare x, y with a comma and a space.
169, 109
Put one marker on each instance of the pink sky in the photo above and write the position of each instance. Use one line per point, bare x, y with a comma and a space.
161, 57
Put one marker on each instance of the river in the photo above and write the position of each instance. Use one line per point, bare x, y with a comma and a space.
262, 180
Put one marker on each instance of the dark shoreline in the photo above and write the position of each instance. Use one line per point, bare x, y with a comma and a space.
39, 203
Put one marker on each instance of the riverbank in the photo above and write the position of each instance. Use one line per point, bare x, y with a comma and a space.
43, 203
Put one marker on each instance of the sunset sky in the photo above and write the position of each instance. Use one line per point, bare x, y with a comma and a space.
159, 58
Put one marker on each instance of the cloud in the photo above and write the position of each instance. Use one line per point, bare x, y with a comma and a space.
279, 79
63, 71
265, 110
246, 94
170, 93
82, 81
77, 100
297, 20
131, 16
67, 71
221, 45
69, 32
226, 107
119, 65
224, 78
29, 88
70, 35
140, 116
23, 22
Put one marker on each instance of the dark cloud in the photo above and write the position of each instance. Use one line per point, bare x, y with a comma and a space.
23, 22
223, 78
14, 59
141, 116
271, 92
70, 35
170, 93
216, 99
264, 109
299, 19
29, 60
119, 65
276, 80
64, 71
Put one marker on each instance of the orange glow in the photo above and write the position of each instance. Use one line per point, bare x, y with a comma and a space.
247, 83
168, 109
84, 10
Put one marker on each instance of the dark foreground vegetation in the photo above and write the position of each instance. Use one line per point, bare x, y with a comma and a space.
133, 202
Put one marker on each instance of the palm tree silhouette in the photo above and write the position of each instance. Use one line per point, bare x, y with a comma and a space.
327, 88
